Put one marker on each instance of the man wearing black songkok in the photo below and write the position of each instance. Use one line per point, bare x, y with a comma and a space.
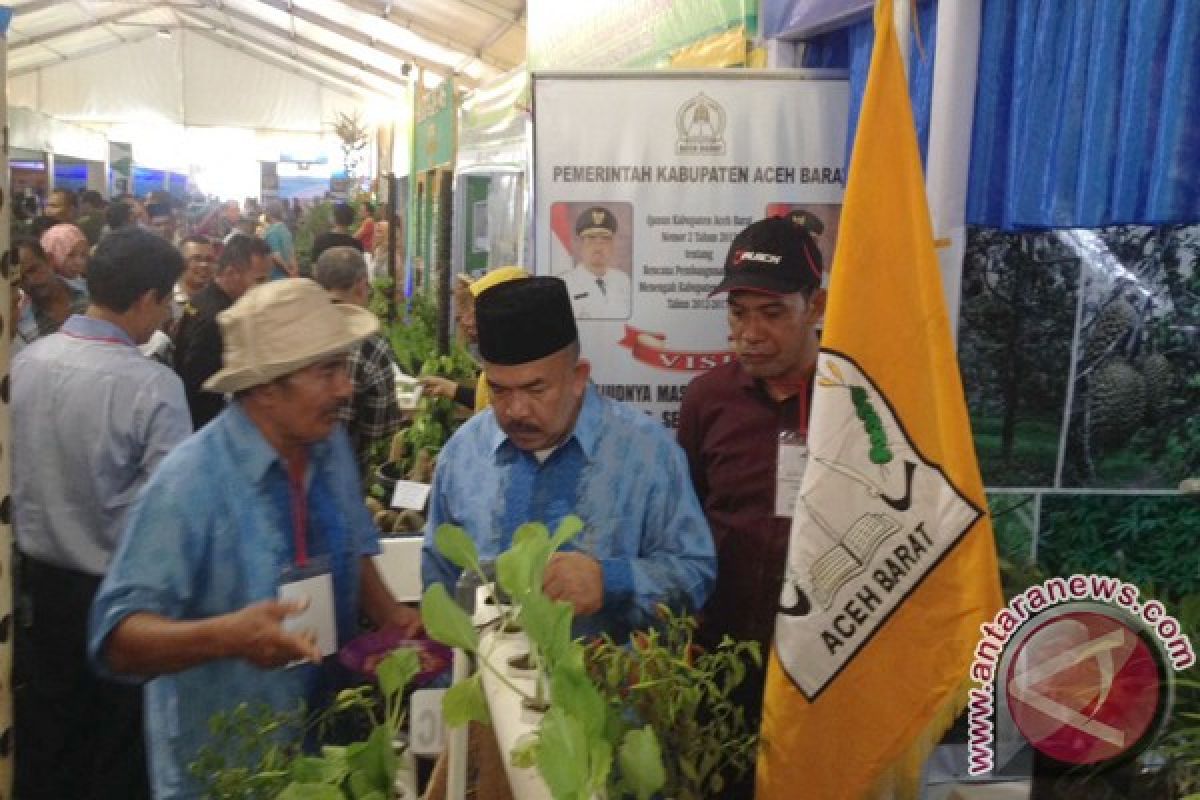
550, 446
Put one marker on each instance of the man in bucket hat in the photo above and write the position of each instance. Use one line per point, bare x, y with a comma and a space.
253, 521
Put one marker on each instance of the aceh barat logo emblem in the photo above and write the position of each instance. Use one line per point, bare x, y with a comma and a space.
873, 518
700, 123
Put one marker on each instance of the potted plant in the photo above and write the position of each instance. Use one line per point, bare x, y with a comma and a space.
255, 752
608, 708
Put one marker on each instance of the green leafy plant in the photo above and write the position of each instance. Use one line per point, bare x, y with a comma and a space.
255, 753
1180, 743
685, 695
653, 719
414, 344
317, 220
579, 738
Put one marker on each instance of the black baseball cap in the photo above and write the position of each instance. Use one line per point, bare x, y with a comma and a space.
773, 256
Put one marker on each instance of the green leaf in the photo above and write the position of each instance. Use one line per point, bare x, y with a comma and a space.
360, 785
601, 765
445, 621
371, 764
396, 671
458, 547
563, 754
579, 698
519, 569
310, 791
524, 751
308, 769
640, 760
548, 624
464, 702
570, 527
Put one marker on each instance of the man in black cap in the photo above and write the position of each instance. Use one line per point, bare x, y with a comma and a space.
598, 289
739, 419
550, 446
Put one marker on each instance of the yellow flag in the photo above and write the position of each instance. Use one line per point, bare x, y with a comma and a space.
892, 566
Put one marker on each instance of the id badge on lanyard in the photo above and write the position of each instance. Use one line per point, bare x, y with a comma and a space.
308, 579
790, 463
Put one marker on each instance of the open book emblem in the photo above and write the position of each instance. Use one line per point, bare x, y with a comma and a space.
873, 517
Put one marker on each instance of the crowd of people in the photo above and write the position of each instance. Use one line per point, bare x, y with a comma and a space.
191, 423
120, 334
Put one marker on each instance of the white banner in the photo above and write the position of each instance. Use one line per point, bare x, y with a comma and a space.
642, 181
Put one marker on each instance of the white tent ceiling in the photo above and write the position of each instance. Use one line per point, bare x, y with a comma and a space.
368, 48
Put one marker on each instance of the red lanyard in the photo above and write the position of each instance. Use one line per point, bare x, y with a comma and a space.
299, 508
102, 339
802, 397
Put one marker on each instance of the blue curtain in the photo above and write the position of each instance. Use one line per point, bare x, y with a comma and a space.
850, 48
1087, 114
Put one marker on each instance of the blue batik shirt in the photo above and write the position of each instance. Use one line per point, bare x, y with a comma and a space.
210, 534
620, 471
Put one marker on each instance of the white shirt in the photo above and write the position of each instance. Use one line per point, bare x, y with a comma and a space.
598, 298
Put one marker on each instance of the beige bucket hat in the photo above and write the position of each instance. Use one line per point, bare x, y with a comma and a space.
281, 327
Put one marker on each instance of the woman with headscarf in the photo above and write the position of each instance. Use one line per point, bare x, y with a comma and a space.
68, 249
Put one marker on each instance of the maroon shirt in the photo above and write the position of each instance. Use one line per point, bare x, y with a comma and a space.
729, 427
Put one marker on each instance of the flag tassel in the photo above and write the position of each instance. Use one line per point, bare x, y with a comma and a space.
902, 781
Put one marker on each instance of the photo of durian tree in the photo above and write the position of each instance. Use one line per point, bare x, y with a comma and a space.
1135, 410
1016, 323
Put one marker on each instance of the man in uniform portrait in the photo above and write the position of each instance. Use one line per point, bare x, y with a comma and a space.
598, 288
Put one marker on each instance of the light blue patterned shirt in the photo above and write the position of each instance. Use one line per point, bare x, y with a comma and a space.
619, 471
211, 533
91, 419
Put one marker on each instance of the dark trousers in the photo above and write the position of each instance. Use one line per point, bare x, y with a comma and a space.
77, 736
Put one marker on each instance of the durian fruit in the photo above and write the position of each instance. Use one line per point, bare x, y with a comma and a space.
1116, 402
1111, 325
1157, 376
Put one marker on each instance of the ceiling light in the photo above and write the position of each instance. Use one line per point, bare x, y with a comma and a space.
164, 33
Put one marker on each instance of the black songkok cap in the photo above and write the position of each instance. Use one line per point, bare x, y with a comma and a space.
522, 321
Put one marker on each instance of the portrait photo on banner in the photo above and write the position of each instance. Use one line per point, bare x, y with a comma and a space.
592, 251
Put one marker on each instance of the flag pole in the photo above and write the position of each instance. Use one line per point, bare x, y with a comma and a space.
947, 160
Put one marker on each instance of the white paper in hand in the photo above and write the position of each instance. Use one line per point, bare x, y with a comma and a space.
318, 617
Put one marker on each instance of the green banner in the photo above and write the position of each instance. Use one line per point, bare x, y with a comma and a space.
627, 33
434, 130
